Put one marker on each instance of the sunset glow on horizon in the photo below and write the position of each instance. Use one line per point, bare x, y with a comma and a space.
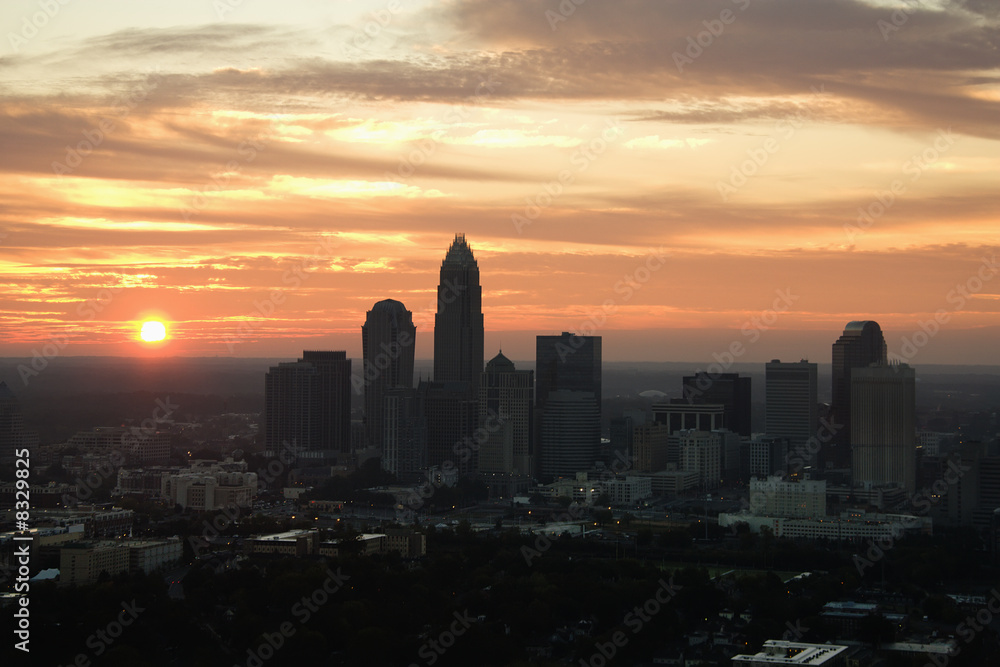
265, 173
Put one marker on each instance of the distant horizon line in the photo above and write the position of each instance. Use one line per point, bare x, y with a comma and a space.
430, 360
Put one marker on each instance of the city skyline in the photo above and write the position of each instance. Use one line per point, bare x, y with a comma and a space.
258, 176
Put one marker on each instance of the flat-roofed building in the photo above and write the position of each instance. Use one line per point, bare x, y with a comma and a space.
800, 654
627, 490
408, 543
288, 543
83, 562
776, 496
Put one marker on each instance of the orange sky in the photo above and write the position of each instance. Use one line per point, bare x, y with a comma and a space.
258, 178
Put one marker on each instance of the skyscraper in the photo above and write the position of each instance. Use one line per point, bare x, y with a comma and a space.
506, 406
291, 407
883, 426
861, 345
388, 339
726, 389
791, 409
307, 405
450, 416
404, 434
458, 324
568, 403
334, 392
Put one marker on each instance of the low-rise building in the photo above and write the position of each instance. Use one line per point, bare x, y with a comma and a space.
85, 562
210, 485
671, 482
289, 543
849, 525
627, 490
409, 543
776, 496
798, 654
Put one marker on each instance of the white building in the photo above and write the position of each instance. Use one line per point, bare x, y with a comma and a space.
781, 652
849, 525
671, 482
209, 485
628, 490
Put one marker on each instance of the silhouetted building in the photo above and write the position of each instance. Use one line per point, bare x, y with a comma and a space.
506, 407
791, 409
570, 433
388, 339
883, 426
307, 405
568, 402
458, 324
404, 434
450, 416
861, 345
726, 389
13, 435
567, 361
334, 385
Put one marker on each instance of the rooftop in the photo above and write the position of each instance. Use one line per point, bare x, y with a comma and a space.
780, 652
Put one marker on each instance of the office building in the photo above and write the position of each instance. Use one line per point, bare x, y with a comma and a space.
122, 446
13, 435
404, 434
506, 408
791, 403
883, 426
768, 456
568, 403
861, 345
649, 447
779, 497
388, 340
307, 406
701, 453
450, 416
729, 390
570, 433
679, 415
458, 323
334, 385
210, 485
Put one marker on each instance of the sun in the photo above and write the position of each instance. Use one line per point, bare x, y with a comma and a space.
153, 331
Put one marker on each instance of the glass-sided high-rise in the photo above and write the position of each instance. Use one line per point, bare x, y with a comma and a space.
861, 345
568, 401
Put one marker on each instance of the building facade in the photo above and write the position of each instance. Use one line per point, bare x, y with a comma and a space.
861, 345
568, 403
884, 426
388, 341
792, 404
506, 408
729, 390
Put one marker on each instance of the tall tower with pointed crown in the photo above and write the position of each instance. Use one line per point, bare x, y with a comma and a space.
458, 324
